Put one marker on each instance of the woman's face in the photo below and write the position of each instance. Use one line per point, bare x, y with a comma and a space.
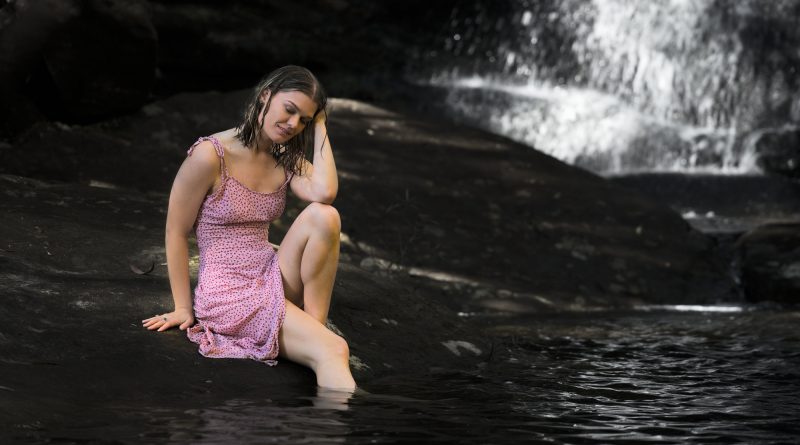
288, 114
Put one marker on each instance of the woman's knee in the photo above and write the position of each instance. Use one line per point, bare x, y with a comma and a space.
325, 216
337, 347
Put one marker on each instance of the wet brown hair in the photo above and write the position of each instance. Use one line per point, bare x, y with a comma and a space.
287, 78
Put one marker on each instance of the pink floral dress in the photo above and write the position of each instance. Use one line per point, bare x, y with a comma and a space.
238, 302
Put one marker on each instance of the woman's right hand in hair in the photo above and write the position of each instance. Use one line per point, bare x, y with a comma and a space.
181, 317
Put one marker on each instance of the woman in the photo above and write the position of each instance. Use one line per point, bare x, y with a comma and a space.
251, 302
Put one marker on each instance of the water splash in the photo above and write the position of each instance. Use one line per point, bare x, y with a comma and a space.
618, 86
595, 130
690, 308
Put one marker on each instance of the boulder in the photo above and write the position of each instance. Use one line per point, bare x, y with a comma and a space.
778, 152
721, 204
769, 263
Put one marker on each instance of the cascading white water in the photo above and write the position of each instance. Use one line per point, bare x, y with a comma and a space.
618, 86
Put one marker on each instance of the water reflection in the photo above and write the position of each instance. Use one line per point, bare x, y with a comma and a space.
668, 377
306, 419
333, 399
658, 375
601, 377
690, 308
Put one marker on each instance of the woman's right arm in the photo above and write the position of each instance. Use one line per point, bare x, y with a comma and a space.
194, 180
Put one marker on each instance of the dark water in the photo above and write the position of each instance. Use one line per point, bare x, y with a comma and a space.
634, 377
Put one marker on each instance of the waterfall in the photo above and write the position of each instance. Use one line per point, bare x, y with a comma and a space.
620, 86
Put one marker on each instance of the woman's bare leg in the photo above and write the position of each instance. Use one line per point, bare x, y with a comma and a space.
309, 256
305, 341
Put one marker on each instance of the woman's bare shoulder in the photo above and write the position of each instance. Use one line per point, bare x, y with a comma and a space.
204, 152
227, 137
203, 164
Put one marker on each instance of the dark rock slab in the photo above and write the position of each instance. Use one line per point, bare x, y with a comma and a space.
438, 221
72, 259
511, 228
501, 225
769, 263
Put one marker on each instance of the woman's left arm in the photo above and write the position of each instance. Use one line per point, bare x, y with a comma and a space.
318, 183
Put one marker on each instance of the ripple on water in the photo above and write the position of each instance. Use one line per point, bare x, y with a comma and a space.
658, 376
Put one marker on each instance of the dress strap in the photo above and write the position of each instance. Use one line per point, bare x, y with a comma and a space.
289, 177
217, 147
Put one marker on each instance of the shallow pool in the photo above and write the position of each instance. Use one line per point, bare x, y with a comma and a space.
660, 374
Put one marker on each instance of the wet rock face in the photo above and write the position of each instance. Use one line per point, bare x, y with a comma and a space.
76, 61
357, 48
80, 61
769, 259
101, 63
